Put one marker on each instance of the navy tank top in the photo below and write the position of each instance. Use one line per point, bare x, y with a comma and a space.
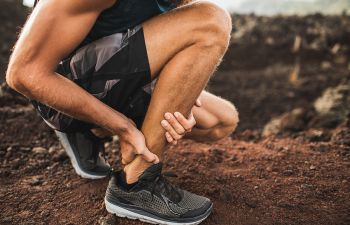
125, 14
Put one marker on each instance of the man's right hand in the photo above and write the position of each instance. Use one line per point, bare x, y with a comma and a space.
133, 143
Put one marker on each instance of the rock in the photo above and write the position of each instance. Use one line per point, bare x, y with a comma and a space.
52, 150
336, 48
233, 158
326, 65
35, 181
45, 214
108, 220
312, 167
316, 135
295, 120
25, 149
39, 150
306, 186
332, 107
60, 156
288, 173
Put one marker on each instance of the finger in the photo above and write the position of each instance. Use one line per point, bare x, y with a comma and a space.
174, 123
186, 124
124, 162
198, 103
165, 124
192, 121
174, 142
168, 137
149, 156
170, 130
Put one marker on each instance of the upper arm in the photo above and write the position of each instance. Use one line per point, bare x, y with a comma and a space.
55, 29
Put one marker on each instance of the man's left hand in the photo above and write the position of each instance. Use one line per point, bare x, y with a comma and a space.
176, 125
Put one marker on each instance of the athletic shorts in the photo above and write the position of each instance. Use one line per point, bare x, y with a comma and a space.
114, 69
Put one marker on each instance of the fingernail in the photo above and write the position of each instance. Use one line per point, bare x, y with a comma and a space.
177, 114
167, 116
164, 123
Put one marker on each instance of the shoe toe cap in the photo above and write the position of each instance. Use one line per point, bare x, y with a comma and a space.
199, 206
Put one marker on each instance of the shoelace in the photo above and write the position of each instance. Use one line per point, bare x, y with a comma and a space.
165, 186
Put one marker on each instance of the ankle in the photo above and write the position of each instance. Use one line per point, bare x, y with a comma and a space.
134, 170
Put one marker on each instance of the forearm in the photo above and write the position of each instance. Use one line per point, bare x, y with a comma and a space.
65, 96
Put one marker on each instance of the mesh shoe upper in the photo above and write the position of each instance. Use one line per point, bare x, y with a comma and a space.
86, 149
154, 194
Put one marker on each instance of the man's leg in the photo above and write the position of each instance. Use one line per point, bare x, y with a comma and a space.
216, 118
184, 48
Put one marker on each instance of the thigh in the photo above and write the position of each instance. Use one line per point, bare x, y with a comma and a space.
169, 33
214, 111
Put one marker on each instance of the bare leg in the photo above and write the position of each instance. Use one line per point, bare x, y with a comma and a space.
216, 118
184, 48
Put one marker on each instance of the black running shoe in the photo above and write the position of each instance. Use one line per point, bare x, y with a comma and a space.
154, 200
84, 151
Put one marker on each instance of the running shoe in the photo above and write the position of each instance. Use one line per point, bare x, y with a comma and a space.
84, 151
154, 200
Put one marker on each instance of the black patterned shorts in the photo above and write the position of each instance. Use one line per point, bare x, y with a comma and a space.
114, 69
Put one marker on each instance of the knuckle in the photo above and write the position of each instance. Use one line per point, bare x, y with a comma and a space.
171, 120
180, 131
189, 127
182, 119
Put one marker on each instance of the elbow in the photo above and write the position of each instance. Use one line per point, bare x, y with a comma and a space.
13, 77
18, 77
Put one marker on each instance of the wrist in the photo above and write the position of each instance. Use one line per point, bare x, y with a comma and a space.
123, 129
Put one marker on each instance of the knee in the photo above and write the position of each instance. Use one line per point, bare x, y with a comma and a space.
216, 25
227, 124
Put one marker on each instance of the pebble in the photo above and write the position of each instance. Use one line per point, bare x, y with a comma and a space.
35, 182
25, 149
59, 156
288, 172
39, 150
233, 158
107, 220
312, 167
52, 150
306, 186
45, 214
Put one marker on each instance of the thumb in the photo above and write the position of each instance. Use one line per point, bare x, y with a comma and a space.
198, 103
150, 157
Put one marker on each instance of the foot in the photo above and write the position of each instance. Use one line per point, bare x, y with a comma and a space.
84, 150
154, 200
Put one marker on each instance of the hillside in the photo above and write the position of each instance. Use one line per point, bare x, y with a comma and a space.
270, 7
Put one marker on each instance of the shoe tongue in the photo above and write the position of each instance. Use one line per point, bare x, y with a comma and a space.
152, 172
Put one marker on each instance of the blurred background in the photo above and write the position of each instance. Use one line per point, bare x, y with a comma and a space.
287, 71
270, 7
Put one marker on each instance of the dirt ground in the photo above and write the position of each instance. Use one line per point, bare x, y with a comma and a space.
295, 176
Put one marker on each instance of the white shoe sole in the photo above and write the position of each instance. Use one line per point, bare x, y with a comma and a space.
121, 212
63, 139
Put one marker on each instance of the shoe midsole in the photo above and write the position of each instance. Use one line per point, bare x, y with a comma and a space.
111, 206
